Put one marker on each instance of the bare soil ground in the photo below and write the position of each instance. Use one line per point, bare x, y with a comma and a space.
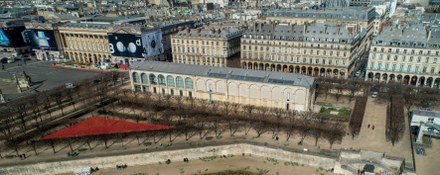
252, 164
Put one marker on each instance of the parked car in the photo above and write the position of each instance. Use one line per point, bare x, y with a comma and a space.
70, 86
374, 94
4, 60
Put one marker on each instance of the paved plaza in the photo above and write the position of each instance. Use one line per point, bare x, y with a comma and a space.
43, 77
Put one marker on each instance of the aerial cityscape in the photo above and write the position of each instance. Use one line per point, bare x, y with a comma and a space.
220, 87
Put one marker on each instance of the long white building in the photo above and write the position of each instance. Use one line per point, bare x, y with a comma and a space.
259, 88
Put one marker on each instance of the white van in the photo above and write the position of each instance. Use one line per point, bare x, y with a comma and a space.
11, 60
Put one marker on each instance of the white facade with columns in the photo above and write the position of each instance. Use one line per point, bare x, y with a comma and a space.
259, 88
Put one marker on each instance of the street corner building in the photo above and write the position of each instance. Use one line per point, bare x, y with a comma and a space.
314, 49
253, 87
406, 54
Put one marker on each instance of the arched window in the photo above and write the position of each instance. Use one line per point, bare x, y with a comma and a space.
188, 83
161, 79
144, 78
179, 82
136, 77
170, 81
153, 79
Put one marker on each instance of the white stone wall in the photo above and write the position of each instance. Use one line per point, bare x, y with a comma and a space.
175, 155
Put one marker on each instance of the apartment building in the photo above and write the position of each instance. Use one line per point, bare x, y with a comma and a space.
259, 88
212, 46
406, 54
316, 49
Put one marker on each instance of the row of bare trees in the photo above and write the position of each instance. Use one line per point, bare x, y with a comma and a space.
357, 116
203, 117
395, 119
25, 118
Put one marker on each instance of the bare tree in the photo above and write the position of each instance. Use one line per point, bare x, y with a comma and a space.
249, 111
305, 122
278, 114
334, 133
357, 116
318, 123
396, 120
291, 124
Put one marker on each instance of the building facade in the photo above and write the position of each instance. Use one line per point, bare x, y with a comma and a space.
317, 49
425, 123
44, 38
11, 38
85, 43
206, 46
269, 89
410, 55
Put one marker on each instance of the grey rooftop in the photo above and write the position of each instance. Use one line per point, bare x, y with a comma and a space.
226, 73
346, 13
225, 33
320, 32
427, 113
417, 36
87, 25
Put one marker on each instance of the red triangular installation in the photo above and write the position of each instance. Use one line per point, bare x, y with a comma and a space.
98, 125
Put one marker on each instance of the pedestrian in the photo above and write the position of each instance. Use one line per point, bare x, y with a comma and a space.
368, 125
373, 127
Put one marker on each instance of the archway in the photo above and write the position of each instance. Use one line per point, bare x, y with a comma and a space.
414, 80
278, 68
392, 77
272, 67
297, 69
261, 66
284, 68
309, 71
385, 77
429, 81
437, 83
342, 73
377, 76
303, 70
266, 67
335, 73
406, 79
370, 76
249, 65
322, 72
329, 72
316, 71
255, 66
399, 78
291, 69
422, 81
244, 65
